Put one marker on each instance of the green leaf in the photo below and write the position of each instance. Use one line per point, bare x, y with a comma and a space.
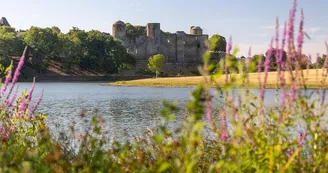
163, 167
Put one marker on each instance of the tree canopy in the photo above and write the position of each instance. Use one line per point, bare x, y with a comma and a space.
156, 63
10, 44
273, 63
217, 43
92, 50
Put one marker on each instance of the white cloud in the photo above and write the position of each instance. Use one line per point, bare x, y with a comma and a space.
313, 29
272, 27
259, 35
319, 37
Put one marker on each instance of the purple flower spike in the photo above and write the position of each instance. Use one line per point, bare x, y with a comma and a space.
11, 101
292, 93
37, 102
277, 44
21, 107
300, 36
229, 46
8, 78
290, 31
17, 71
209, 111
31, 91
282, 75
266, 70
301, 138
224, 133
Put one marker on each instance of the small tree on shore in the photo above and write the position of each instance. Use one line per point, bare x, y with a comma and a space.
156, 63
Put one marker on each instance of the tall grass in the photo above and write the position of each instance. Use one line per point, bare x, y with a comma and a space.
249, 136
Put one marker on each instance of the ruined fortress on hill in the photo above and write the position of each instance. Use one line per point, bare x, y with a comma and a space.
145, 41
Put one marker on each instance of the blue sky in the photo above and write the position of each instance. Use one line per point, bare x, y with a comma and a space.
249, 22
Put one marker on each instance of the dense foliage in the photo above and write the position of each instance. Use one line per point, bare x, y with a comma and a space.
10, 44
246, 135
217, 43
86, 50
156, 63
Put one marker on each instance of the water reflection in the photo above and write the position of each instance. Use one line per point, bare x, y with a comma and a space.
130, 109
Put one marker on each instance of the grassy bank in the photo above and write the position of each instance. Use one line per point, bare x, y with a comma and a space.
312, 78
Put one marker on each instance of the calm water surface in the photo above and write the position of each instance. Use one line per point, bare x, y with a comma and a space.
128, 109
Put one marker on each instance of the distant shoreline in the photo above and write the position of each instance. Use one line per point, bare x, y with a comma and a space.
312, 81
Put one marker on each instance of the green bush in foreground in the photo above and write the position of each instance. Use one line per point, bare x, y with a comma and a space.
248, 136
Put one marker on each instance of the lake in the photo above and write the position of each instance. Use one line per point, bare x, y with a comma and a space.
125, 109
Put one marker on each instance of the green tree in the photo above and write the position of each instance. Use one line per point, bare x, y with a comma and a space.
253, 67
10, 45
44, 44
217, 43
156, 63
320, 61
273, 63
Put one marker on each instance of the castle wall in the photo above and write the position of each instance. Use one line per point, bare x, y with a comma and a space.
168, 47
191, 49
181, 36
178, 48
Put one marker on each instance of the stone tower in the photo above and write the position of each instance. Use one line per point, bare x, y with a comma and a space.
196, 30
119, 30
154, 38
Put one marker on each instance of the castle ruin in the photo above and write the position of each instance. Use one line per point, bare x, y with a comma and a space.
145, 41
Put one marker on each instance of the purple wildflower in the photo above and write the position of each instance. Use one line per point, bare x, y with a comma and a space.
282, 74
277, 45
292, 93
289, 152
283, 42
266, 70
300, 36
37, 102
324, 91
224, 133
301, 138
209, 111
11, 101
31, 91
21, 107
229, 46
248, 61
17, 73
22, 104
291, 30
8, 78
18, 69
228, 50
